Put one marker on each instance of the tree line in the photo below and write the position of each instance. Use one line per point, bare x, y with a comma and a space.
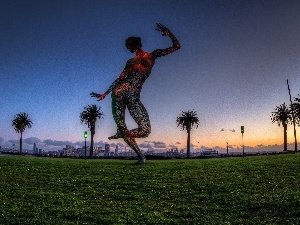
282, 115
91, 114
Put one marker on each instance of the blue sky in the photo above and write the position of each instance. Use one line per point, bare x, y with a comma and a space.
232, 68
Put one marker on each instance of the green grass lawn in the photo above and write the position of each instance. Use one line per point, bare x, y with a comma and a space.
253, 190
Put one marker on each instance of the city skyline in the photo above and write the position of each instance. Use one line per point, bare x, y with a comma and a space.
232, 68
52, 145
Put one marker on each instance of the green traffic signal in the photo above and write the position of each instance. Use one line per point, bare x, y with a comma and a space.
85, 134
242, 129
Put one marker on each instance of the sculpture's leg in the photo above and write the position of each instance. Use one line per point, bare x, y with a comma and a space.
139, 113
133, 145
118, 111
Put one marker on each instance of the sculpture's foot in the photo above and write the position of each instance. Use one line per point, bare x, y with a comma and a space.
113, 137
116, 136
126, 133
141, 161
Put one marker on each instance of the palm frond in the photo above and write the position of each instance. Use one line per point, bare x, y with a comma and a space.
296, 108
90, 115
21, 122
187, 120
281, 115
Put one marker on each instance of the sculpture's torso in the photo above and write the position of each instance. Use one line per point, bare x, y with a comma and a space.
139, 69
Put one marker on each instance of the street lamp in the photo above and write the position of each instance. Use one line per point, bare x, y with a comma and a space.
242, 131
227, 139
85, 136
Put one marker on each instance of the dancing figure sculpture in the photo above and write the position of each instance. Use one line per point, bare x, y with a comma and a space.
127, 87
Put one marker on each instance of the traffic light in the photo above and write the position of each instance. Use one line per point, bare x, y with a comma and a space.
242, 129
85, 134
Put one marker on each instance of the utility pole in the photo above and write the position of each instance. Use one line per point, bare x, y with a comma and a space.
227, 147
293, 116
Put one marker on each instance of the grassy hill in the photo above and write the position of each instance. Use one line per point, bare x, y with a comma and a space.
253, 190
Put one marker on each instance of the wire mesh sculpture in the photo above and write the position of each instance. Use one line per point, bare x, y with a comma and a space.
127, 87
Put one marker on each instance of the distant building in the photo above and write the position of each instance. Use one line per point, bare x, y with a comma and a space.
35, 149
67, 152
107, 149
210, 152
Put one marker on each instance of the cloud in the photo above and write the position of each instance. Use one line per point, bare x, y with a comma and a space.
121, 145
31, 140
172, 146
1, 140
193, 146
153, 145
101, 143
79, 143
56, 143
231, 130
14, 141
159, 144
145, 145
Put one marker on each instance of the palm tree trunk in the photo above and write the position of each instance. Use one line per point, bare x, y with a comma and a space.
188, 152
21, 144
92, 142
285, 137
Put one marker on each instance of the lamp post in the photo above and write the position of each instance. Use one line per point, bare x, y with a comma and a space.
222, 130
85, 136
242, 131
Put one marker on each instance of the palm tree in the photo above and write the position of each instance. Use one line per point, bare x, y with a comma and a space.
20, 122
187, 120
282, 115
296, 107
89, 117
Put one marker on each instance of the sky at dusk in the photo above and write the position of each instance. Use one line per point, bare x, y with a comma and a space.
232, 68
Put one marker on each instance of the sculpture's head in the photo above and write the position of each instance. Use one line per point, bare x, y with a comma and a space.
133, 43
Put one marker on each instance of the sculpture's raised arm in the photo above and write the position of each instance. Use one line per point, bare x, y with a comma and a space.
166, 32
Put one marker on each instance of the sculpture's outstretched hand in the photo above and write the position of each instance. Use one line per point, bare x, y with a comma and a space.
96, 95
165, 31
102, 96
